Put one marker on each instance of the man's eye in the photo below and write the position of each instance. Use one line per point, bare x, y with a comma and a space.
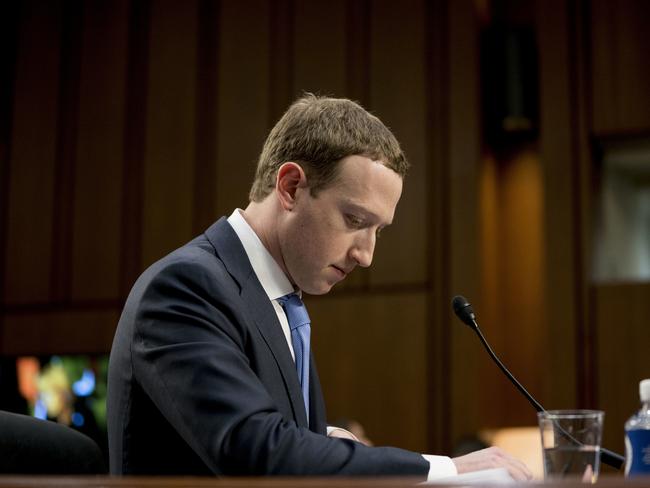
354, 221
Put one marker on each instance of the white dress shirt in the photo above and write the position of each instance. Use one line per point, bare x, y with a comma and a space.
268, 271
276, 285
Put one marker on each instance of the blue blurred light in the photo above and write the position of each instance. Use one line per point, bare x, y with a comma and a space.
40, 410
78, 419
85, 385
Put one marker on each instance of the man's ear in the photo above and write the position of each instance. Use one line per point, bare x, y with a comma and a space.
290, 178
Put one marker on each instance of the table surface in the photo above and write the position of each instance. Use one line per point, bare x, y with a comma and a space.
19, 481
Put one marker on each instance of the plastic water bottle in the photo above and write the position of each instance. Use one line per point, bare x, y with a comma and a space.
637, 436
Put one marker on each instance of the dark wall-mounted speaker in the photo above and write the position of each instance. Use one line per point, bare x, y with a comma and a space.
509, 84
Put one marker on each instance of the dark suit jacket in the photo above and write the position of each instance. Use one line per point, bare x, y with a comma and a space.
201, 379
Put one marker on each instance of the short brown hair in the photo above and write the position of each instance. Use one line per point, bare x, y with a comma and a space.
317, 132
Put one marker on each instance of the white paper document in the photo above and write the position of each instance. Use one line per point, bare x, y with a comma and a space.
494, 476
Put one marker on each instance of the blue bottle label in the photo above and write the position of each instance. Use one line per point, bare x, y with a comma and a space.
637, 446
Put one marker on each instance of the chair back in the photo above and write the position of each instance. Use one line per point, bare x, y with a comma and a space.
33, 446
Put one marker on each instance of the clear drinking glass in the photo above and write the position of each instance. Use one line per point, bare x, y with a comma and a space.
571, 443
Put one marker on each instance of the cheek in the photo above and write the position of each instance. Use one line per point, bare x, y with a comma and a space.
305, 244
320, 239
314, 246
317, 246
332, 248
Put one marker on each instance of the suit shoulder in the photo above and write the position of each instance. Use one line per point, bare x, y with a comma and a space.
196, 264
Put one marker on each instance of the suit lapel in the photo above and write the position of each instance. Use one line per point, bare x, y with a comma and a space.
259, 309
317, 415
264, 316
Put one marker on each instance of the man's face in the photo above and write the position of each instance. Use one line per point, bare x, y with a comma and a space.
325, 237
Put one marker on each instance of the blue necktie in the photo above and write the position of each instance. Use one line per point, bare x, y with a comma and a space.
300, 334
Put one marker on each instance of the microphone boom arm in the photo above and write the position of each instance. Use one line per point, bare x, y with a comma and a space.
536, 405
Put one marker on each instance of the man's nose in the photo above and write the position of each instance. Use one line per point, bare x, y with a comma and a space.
363, 249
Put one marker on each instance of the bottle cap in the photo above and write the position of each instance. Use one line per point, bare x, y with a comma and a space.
644, 390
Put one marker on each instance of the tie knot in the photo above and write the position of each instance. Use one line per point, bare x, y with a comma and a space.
294, 308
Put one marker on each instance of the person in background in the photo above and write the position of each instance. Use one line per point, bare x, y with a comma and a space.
353, 429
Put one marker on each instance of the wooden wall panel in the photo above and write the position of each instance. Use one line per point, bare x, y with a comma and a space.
66, 150
281, 21
436, 133
135, 101
323, 31
620, 89
620, 71
622, 313
518, 330
585, 204
9, 25
358, 36
560, 389
397, 94
33, 151
244, 99
371, 352
207, 103
59, 331
170, 126
98, 176
464, 156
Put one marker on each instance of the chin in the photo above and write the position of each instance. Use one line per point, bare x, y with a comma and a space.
318, 289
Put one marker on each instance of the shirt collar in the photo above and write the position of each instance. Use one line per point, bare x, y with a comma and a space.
268, 271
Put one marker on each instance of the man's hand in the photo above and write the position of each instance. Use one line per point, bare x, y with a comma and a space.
492, 457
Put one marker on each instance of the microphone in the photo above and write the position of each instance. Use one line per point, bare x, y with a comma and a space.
463, 310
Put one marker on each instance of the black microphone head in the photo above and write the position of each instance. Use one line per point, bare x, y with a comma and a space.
464, 311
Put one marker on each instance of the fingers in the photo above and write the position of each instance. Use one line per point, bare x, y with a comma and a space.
493, 457
517, 469
498, 458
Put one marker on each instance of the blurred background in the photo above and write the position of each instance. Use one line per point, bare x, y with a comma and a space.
128, 127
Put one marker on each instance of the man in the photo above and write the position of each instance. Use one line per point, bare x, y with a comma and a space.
210, 371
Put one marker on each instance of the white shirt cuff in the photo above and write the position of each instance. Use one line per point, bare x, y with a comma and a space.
440, 467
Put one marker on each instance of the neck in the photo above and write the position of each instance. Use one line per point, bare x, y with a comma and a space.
262, 217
